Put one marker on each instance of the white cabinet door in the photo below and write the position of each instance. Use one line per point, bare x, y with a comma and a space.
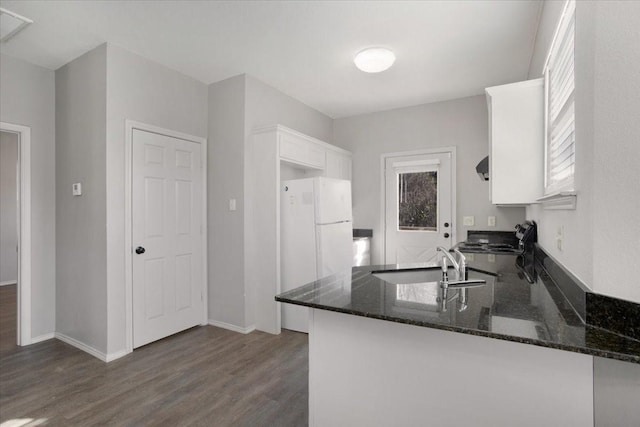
166, 219
338, 165
299, 151
516, 142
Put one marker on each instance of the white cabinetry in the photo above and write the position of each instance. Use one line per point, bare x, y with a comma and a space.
338, 164
269, 148
516, 142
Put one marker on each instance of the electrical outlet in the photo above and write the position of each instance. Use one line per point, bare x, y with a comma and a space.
232, 204
491, 221
77, 189
469, 257
468, 221
491, 258
560, 237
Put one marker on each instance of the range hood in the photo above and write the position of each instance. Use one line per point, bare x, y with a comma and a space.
483, 169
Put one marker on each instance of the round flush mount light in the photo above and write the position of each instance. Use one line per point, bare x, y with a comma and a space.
374, 59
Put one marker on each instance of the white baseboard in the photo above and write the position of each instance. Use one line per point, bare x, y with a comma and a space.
231, 327
117, 355
81, 346
8, 282
108, 357
44, 337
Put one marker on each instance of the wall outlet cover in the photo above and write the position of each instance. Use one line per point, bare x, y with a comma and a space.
468, 220
491, 221
77, 189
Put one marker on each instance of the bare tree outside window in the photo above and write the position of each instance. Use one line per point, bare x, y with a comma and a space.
418, 201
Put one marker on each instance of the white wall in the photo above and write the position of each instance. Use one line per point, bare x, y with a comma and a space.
28, 98
462, 123
81, 259
236, 106
602, 232
8, 207
145, 91
226, 181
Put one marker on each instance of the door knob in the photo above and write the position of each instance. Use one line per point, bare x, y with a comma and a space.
140, 250
446, 235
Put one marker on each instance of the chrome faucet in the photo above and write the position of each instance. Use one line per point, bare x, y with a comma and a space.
460, 266
460, 283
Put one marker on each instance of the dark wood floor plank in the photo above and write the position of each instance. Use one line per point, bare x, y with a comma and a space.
204, 376
8, 318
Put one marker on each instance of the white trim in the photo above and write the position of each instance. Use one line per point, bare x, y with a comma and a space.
565, 200
81, 346
280, 128
110, 357
105, 357
24, 232
568, 8
130, 125
44, 337
9, 282
231, 327
383, 210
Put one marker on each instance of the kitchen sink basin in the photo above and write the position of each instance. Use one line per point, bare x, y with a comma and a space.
402, 277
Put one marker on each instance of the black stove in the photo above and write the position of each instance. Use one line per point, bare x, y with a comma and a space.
500, 242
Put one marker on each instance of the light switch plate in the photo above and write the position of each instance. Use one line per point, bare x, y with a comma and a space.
77, 189
468, 220
232, 204
491, 221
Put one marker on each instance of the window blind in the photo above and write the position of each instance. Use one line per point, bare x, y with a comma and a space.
560, 110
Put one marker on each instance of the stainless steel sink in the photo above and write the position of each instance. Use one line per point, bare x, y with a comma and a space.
403, 277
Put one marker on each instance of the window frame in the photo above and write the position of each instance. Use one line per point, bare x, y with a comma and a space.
567, 184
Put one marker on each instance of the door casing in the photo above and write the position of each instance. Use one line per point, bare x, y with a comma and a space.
24, 232
383, 209
130, 125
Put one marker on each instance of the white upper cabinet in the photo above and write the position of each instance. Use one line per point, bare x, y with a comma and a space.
516, 142
300, 150
338, 164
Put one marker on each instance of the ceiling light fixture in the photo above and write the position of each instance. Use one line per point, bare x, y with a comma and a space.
374, 59
11, 24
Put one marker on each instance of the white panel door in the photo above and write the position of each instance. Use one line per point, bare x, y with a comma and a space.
166, 235
418, 207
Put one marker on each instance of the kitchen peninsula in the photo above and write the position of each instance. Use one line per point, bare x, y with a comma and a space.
514, 353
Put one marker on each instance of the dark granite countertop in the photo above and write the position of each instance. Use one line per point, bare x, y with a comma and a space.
508, 307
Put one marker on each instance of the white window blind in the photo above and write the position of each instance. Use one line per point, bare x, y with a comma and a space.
559, 105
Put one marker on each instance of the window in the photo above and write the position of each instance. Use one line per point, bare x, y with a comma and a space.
559, 106
418, 201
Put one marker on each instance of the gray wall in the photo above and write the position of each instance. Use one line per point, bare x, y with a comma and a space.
226, 181
28, 99
8, 207
144, 91
462, 123
607, 150
81, 259
236, 106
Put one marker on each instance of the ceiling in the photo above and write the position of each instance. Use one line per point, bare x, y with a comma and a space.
444, 49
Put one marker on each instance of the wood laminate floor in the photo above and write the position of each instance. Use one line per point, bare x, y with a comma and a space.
205, 376
8, 318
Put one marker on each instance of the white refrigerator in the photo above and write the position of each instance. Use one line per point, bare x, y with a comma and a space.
316, 237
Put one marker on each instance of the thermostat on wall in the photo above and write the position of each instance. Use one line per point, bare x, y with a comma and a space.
77, 189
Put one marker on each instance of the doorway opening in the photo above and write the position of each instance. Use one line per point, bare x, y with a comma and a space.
15, 223
418, 207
